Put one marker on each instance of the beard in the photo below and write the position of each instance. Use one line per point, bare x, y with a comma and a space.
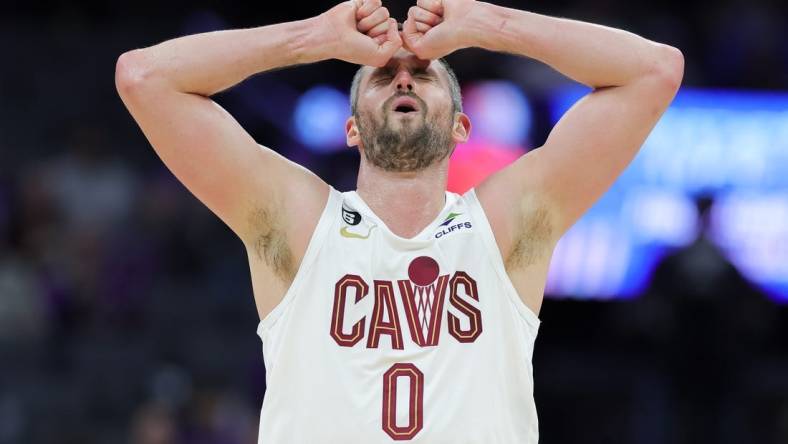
416, 144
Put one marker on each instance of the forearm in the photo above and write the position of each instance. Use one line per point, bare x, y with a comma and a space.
210, 62
594, 55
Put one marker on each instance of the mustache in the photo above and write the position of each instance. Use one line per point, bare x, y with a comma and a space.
422, 103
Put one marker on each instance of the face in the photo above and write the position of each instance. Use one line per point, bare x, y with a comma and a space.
404, 115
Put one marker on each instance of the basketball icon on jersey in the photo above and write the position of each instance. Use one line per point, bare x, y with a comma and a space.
422, 296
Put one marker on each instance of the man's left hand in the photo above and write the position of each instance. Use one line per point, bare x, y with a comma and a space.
435, 28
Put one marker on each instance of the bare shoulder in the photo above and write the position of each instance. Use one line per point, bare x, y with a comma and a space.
278, 231
523, 223
522, 220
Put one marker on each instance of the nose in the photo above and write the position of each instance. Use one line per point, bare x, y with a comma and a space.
404, 81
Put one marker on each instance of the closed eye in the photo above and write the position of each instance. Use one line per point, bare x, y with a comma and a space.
422, 74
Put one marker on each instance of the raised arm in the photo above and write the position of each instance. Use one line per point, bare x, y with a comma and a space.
166, 88
633, 80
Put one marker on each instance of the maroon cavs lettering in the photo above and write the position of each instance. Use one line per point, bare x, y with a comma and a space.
422, 296
340, 292
384, 297
462, 279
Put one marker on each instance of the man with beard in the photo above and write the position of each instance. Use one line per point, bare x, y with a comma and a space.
399, 311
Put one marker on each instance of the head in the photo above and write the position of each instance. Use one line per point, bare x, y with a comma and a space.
407, 115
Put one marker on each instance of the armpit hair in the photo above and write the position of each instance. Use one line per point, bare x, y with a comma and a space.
270, 243
532, 237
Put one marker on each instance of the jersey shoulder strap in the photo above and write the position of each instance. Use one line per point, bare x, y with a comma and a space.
494, 253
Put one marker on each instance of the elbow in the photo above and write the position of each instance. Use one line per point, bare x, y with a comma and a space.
668, 66
132, 72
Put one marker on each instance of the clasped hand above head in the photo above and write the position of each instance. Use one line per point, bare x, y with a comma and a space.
364, 33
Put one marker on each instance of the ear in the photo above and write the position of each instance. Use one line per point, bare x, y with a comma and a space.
461, 130
352, 137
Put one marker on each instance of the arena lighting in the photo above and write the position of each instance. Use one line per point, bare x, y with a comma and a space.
732, 145
501, 116
472, 162
500, 113
319, 119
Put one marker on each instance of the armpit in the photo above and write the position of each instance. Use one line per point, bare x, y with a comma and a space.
532, 237
270, 243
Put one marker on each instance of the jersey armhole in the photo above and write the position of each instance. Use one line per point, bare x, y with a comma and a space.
496, 258
315, 242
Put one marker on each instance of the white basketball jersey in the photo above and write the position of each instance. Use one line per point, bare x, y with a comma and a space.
382, 338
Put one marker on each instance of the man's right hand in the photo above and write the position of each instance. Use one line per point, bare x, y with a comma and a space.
362, 32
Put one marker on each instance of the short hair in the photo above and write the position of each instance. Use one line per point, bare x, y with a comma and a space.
454, 88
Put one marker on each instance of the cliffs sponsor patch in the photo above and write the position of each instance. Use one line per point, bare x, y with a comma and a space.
453, 228
450, 218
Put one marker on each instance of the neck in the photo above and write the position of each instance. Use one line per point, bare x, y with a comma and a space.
407, 202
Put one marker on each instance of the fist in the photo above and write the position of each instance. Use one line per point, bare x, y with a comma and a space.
362, 32
435, 28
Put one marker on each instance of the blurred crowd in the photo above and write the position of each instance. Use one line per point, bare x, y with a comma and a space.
126, 313
122, 307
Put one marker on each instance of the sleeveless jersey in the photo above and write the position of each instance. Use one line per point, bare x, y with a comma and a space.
382, 339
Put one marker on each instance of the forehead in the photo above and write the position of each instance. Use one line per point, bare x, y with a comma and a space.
409, 60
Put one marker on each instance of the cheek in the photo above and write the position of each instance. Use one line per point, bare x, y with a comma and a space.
438, 100
374, 97
371, 106
440, 112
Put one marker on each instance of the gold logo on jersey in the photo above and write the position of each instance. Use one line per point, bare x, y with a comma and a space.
345, 232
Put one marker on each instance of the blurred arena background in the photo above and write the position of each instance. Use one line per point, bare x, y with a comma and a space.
126, 313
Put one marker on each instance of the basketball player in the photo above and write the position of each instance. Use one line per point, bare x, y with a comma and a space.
399, 311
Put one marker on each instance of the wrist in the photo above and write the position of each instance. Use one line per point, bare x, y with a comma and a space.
486, 23
310, 42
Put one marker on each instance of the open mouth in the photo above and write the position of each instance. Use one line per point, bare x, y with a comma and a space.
405, 109
405, 105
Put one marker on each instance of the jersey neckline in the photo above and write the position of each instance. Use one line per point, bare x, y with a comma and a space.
424, 236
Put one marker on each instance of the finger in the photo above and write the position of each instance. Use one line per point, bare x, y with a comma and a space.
381, 15
410, 33
380, 29
392, 44
410, 30
380, 39
434, 6
424, 16
366, 8
422, 27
